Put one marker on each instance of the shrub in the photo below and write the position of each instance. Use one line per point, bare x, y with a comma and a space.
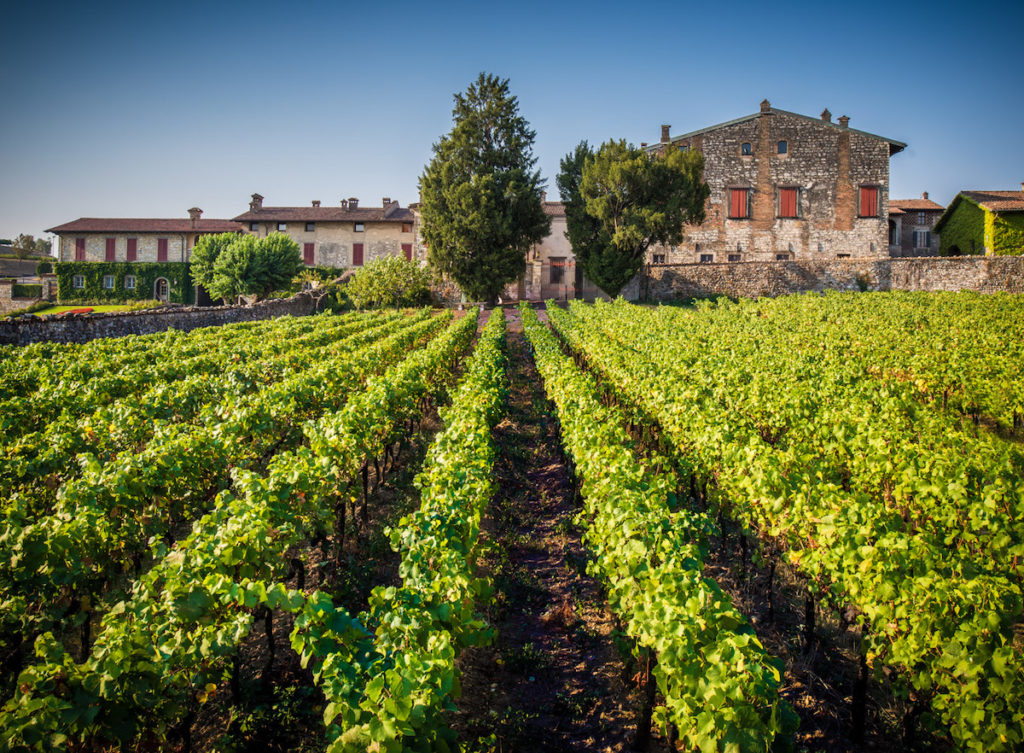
390, 281
255, 266
26, 291
44, 267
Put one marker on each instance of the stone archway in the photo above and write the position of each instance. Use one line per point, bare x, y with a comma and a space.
161, 290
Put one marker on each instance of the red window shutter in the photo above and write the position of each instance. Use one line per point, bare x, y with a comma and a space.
868, 201
161, 249
307, 254
407, 250
787, 202
357, 254
79, 249
133, 249
738, 202
110, 249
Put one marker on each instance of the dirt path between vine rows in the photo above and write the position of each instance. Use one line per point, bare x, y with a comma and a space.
553, 679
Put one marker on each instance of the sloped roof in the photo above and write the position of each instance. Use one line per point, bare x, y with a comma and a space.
145, 225
915, 205
993, 201
327, 214
554, 209
894, 146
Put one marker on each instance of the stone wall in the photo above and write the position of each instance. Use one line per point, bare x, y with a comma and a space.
985, 274
80, 328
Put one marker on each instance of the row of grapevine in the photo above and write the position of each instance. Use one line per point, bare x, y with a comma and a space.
66, 563
160, 652
827, 480
721, 689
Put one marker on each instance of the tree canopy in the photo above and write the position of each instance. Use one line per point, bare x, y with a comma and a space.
620, 200
251, 266
27, 245
481, 198
204, 256
390, 281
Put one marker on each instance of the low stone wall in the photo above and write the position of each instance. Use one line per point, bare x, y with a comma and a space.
79, 328
675, 282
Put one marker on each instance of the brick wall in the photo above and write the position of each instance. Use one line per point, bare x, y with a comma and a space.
751, 280
85, 327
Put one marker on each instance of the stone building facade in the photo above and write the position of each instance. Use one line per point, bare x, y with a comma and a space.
786, 186
135, 239
912, 226
551, 270
347, 235
983, 222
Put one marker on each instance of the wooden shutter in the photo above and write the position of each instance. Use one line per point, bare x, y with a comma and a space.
737, 202
357, 254
787, 202
407, 250
79, 249
308, 254
133, 249
110, 249
161, 249
868, 201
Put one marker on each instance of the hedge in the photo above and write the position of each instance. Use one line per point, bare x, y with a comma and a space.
146, 274
26, 291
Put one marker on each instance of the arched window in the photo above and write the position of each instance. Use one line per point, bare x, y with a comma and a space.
783, 147
745, 149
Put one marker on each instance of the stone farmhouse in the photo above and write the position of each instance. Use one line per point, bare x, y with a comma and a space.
347, 235
786, 186
912, 226
983, 222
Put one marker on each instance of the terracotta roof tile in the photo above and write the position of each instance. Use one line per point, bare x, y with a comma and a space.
326, 214
998, 201
915, 205
554, 209
893, 209
142, 225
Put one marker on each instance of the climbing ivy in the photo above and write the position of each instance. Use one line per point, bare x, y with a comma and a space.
146, 275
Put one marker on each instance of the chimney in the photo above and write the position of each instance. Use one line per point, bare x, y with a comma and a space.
765, 105
844, 121
643, 144
344, 203
194, 214
1022, 185
256, 204
826, 115
924, 195
543, 196
387, 200
353, 202
316, 202
664, 133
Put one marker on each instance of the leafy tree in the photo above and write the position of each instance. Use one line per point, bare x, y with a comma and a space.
620, 200
251, 266
481, 202
26, 245
204, 256
389, 281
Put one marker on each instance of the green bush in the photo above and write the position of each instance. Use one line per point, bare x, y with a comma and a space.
255, 266
146, 275
44, 267
26, 291
390, 281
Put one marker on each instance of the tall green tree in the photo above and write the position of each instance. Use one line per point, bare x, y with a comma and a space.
481, 196
204, 256
254, 266
620, 200
27, 245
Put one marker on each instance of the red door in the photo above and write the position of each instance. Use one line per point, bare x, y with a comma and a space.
79, 249
407, 250
161, 249
307, 254
357, 254
133, 249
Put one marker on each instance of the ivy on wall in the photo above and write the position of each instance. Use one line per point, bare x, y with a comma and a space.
1004, 233
964, 225
146, 274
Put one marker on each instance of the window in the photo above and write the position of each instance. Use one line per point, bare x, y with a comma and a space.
407, 250
358, 227
308, 254
869, 201
108, 282
357, 254
789, 204
783, 147
922, 218
557, 270
129, 282
745, 149
110, 252
781, 257
707, 258
842, 256
282, 226
133, 249
922, 239
735, 257
821, 248
659, 259
739, 203
78, 282
161, 249
254, 226
406, 227
79, 249
310, 227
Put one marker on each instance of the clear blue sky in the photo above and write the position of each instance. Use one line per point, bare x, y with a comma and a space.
144, 110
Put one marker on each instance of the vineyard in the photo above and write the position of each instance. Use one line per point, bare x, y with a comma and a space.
790, 524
